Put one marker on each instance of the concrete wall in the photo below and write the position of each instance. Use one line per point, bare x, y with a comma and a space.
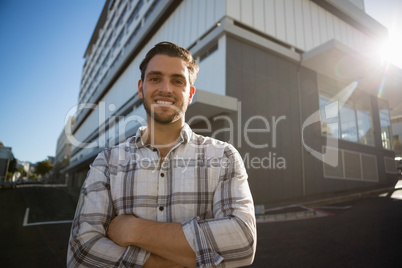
277, 96
299, 23
266, 85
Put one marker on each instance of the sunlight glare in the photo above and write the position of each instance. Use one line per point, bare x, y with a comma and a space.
390, 50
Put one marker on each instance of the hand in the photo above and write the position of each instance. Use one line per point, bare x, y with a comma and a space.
164, 239
121, 230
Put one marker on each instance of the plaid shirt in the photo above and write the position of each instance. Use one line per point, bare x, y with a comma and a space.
201, 183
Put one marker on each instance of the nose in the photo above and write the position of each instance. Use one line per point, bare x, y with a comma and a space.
165, 86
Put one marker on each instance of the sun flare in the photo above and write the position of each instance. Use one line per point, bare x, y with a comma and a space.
390, 50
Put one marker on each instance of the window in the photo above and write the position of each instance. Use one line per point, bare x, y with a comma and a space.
117, 42
385, 123
364, 120
329, 109
151, 9
121, 19
329, 117
132, 36
348, 122
345, 112
111, 22
111, 3
397, 145
135, 13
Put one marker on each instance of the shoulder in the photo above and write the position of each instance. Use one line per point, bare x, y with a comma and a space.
116, 153
209, 143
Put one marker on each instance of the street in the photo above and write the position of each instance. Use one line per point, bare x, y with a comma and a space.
360, 233
42, 242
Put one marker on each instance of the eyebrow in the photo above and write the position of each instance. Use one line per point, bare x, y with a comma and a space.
154, 73
160, 73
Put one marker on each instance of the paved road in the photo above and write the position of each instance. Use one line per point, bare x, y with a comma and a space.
38, 244
360, 233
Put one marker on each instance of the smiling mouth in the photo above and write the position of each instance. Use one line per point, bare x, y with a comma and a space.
160, 102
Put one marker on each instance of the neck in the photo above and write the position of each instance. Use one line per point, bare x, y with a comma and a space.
162, 136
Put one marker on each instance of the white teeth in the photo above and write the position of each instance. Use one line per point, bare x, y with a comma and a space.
164, 102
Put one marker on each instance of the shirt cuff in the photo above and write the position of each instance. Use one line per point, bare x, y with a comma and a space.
206, 256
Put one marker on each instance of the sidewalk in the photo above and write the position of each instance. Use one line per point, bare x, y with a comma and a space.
308, 208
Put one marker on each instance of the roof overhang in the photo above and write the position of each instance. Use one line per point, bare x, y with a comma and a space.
354, 15
342, 63
206, 105
5, 153
337, 61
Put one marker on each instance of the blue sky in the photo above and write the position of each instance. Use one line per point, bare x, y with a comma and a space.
43, 43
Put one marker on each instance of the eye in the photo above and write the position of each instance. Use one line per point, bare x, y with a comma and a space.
178, 82
153, 79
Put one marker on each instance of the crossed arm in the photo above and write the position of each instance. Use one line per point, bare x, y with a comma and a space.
98, 238
166, 241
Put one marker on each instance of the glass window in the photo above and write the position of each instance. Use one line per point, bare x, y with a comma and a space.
364, 119
385, 122
121, 19
329, 108
345, 117
134, 14
348, 122
397, 144
151, 9
329, 117
117, 42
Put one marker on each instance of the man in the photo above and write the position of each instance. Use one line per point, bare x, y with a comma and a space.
167, 197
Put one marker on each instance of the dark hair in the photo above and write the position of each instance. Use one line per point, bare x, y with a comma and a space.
171, 50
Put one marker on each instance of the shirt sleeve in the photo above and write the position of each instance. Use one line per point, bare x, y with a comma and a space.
230, 238
88, 245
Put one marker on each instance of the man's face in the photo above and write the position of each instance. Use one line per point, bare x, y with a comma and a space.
166, 89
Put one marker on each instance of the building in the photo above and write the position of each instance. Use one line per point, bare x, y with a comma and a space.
397, 135
6, 156
63, 151
25, 165
397, 138
293, 85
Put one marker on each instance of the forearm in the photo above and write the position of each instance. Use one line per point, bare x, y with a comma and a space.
212, 238
90, 251
88, 245
166, 240
91, 248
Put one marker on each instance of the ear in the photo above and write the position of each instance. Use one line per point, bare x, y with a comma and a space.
192, 92
140, 91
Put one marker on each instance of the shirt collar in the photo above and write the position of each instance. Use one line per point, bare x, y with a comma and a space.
185, 135
139, 143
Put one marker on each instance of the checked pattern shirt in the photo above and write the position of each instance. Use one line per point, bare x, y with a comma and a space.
201, 183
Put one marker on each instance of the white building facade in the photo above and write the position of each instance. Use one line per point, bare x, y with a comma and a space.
63, 152
288, 82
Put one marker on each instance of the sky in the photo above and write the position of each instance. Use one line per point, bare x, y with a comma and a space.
43, 44
389, 13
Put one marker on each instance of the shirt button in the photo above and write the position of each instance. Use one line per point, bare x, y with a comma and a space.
162, 174
161, 208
